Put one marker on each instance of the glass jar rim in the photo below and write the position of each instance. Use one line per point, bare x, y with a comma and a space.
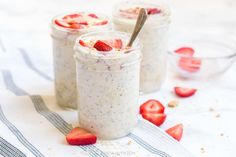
96, 55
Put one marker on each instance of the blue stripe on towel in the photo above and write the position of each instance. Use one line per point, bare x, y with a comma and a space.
147, 146
19, 135
29, 63
4, 145
55, 119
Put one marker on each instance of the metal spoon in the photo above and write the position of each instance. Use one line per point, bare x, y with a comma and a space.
142, 17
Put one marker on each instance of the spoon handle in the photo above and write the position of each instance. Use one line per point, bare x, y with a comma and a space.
142, 17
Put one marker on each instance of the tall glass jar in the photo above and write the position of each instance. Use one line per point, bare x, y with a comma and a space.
153, 38
64, 63
108, 86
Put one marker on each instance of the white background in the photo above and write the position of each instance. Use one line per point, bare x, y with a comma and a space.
25, 23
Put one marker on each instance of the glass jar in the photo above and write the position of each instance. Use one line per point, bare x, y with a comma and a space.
64, 63
153, 38
108, 86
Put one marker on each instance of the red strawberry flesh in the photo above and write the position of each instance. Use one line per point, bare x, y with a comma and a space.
79, 136
184, 92
102, 46
155, 118
152, 106
176, 131
152, 11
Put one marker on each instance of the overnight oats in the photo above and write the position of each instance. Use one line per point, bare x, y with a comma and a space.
153, 38
65, 29
108, 83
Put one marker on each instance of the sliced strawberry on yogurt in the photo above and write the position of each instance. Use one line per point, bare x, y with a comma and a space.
104, 22
176, 131
83, 43
79, 136
155, 118
187, 51
71, 16
62, 23
152, 106
115, 43
152, 11
93, 16
102, 46
184, 92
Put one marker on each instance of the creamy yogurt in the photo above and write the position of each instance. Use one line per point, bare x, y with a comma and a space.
108, 83
153, 38
65, 29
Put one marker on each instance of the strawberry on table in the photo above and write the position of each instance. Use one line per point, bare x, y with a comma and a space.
102, 46
176, 131
184, 92
152, 106
155, 118
79, 136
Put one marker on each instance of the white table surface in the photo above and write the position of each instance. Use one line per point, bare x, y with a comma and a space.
25, 24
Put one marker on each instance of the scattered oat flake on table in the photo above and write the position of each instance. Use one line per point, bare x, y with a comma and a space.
129, 143
173, 103
217, 115
211, 109
203, 150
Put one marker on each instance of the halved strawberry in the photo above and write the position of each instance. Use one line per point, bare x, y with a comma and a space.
187, 51
101, 23
152, 11
62, 23
184, 92
176, 131
102, 46
71, 16
190, 64
155, 118
79, 136
152, 106
93, 16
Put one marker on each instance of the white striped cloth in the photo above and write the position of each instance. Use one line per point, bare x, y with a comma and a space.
31, 124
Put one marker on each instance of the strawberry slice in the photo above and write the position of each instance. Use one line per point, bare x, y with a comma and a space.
62, 23
184, 92
84, 44
176, 131
101, 23
93, 16
155, 118
152, 106
190, 64
79, 136
71, 16
75, 26
102, 46
116, 43
187, 51
152, 11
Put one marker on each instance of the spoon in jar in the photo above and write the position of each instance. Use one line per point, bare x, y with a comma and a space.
142, 17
